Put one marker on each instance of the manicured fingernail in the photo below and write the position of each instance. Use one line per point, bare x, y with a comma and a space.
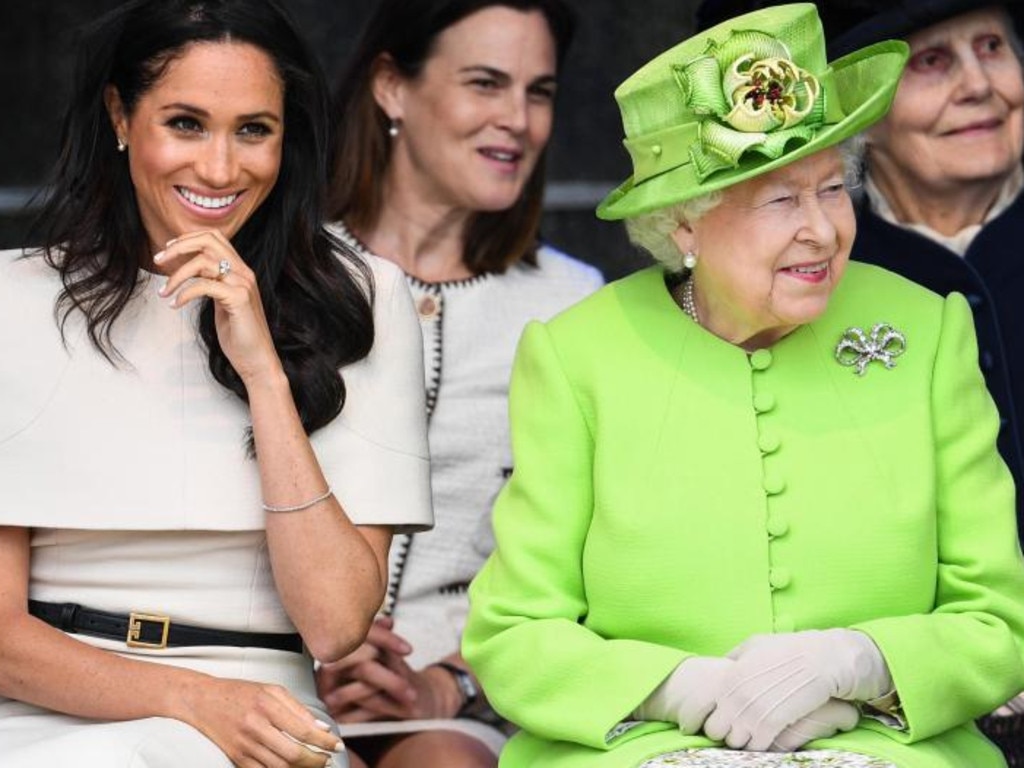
339, 747
162, 288
322, 725
158, 257
170, 242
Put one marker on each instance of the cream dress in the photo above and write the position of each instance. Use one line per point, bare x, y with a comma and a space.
135, 482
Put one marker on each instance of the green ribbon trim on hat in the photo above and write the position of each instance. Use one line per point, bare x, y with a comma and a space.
719, 147
663, 151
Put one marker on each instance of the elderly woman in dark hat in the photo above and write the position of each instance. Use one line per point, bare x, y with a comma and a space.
943, 174
757, 516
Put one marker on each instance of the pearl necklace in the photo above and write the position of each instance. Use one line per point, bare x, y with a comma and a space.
686, 300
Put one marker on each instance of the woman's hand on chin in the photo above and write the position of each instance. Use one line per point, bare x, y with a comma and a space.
205, 264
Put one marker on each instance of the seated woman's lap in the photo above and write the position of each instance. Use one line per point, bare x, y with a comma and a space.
150, 743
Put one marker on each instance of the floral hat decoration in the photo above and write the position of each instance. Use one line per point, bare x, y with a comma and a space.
743, 98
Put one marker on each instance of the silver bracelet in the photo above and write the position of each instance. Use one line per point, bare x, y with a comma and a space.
300, 507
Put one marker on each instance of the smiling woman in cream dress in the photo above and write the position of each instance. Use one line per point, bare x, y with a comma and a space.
216, 422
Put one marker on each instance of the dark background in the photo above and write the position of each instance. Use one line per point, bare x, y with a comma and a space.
586, 157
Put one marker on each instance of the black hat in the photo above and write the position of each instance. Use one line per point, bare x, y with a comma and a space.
852, 24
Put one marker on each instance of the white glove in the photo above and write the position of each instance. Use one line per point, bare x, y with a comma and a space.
688, 695
831, 717
780, 679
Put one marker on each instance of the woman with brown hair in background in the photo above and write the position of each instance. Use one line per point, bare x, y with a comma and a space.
443, 119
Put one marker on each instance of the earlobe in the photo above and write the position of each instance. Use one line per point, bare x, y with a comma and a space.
115, 109
685, 238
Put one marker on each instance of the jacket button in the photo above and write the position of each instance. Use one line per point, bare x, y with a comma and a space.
427, 307
760, 359
987, 360
773, 484
779, 577
777, 526
768, 442
764, 402
975, 300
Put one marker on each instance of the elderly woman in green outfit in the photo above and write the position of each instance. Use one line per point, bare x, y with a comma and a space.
757, 515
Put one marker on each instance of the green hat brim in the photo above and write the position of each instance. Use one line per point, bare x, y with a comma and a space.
866, 82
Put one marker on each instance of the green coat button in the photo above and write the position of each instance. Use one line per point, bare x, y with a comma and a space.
761, 359
773, 483
779, 577
777, 526
768, 442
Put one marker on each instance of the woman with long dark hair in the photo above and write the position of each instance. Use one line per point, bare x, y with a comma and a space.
210, 393
443, 119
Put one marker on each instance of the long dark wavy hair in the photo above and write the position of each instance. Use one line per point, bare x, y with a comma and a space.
407, 31
316, 293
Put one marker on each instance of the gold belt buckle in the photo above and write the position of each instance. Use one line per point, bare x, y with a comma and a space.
135, 630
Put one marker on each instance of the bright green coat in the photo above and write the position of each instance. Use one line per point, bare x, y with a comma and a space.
673, 496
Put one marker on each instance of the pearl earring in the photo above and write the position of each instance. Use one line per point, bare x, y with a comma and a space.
690, 260
121, 144
394, 128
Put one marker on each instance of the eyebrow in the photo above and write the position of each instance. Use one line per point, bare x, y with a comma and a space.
182, 107
504, 77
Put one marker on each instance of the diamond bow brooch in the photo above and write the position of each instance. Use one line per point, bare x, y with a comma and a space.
857, 348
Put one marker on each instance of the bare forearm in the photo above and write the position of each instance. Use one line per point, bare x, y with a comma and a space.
329, 576
43, 666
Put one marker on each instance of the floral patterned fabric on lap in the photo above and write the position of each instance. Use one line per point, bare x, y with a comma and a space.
732, 758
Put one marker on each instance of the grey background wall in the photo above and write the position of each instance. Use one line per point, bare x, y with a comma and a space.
586, 156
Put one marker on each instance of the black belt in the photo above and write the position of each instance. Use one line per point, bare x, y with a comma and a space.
146, 630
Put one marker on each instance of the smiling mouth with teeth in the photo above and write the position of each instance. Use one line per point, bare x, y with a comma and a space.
810, 269
211, 203
496, 154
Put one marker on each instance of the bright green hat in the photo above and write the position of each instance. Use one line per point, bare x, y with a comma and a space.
743, 98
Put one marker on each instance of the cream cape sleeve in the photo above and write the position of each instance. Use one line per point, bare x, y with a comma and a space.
155, 443
379, 468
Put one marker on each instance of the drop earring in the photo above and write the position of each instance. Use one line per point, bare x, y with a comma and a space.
121, 144
395, 128
690, 260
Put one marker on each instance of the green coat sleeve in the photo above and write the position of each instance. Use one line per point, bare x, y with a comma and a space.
965, 657
525, 637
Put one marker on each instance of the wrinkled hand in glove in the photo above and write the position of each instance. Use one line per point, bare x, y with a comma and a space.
780, 679
827, 720
688, 695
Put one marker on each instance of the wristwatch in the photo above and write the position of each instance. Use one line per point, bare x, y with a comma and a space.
465, 682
